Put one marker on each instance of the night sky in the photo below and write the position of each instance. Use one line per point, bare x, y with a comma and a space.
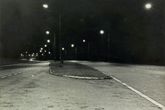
136, 34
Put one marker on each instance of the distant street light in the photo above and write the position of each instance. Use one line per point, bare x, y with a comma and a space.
63, 48
26, 51
84, 40
148, 6
47, 32
41, 48
49, 52
45, 45
45, 50
72, 45
45, 5
42, 54
40, 51
48, 41
101, 31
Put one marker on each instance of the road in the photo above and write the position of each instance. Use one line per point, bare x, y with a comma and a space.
148, 79
29, 86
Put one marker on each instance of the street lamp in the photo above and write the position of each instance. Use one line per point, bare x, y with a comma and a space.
101, 31
41, 48
148, 6
47, 32
63, 48
48, 41
45, 45
72, 45
84, 40
45, 5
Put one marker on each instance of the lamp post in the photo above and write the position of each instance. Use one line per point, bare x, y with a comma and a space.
101, 32
87, 47
45, 5
148, 5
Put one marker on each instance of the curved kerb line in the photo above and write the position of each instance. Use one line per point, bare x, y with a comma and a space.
78, 77
139, 93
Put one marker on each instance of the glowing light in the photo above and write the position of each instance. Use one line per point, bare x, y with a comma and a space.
83, 40
101, 32
45, 5
72, 45
48, 40
47, 32
63, 48
148, 6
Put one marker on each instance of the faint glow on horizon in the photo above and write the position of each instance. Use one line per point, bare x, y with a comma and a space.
148, 6
45, 5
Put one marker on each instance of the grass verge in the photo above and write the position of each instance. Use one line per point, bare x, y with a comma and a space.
75, 69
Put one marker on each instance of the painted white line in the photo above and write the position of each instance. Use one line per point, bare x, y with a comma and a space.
3, 77
79, 77
139, 93
9, 75
15, 73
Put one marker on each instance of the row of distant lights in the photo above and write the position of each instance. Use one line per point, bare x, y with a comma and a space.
147, 5
29, 54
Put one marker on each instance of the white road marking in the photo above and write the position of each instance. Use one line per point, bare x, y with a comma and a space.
9, 75
3, 77
139, 93
15, 73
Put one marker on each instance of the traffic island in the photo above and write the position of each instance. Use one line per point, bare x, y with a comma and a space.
76, 70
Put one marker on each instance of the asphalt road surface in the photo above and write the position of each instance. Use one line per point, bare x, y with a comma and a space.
31, 87
148, 79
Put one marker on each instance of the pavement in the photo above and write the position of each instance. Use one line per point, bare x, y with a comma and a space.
34, 88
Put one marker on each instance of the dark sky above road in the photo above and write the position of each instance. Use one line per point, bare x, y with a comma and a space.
134, 31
